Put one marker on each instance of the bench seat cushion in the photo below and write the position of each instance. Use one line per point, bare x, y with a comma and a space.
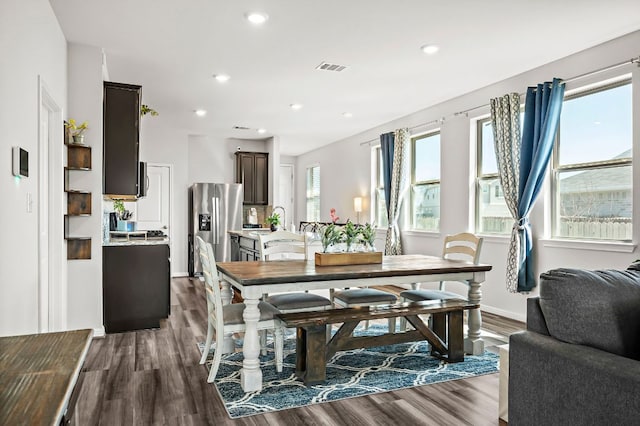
594, 308
420, 295
364, 296
232, 314
290, 301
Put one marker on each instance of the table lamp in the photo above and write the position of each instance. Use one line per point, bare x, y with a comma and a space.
357, 206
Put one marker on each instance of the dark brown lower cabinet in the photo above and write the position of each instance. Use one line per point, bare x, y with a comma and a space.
135, 286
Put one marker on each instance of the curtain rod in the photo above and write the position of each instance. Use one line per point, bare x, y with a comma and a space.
466, 112
635, 60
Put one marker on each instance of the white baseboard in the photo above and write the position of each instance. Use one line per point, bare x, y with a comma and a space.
179, 274
99, 331
503, 313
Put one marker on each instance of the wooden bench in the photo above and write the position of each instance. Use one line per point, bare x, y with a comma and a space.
313, 351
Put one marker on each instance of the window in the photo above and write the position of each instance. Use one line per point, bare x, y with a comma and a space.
592, 178
425, 182
492, 214
380, 207
313, 194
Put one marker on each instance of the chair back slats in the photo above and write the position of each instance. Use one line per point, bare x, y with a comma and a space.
211, 280
282, 242
465, 246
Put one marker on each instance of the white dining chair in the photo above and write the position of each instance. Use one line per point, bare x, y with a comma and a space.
462, 246
285, 243
227, 319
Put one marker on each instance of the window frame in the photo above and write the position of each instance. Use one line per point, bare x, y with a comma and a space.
413, 183
557, 169
313, 197
377, 184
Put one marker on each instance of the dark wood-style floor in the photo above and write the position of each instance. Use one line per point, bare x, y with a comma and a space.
153, 377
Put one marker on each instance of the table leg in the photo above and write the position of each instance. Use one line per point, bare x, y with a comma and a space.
473, 343
226, 294
251, 375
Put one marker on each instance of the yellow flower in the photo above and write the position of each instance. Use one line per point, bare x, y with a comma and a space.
74, 129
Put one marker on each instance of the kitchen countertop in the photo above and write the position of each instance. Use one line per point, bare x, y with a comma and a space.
141, 242
251, 233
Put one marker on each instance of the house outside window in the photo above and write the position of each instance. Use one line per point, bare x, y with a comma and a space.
425, 182
379, 206
492, 214
313, 194
592, 180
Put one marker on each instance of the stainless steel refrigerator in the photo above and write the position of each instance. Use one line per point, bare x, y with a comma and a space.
214, 209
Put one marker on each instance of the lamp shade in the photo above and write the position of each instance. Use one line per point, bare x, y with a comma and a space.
357, 204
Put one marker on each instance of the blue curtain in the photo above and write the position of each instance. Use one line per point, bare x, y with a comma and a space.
542, 109
387, 145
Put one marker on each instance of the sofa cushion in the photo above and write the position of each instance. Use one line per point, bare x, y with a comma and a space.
600, 309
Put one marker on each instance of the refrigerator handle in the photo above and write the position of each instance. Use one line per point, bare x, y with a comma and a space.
216, 220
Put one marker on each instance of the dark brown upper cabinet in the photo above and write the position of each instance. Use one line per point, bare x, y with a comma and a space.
252, 171
121, 140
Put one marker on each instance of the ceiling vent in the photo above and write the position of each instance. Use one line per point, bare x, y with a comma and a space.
241, 128
326, 66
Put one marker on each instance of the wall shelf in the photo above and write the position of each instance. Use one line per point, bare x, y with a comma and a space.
78, 201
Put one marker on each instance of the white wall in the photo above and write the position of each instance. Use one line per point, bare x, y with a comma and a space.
31, 45
345, 172
85, 104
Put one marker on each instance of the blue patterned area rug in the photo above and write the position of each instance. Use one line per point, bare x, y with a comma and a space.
349, 374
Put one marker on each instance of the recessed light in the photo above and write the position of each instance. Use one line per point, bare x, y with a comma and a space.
262, 130
256, 18
347, 115
222, 78
295, 107
200, 112
429, 49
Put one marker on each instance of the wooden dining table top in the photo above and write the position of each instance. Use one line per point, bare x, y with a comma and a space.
283, 271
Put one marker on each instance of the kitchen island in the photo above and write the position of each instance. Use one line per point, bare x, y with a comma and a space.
135, 284
244, 244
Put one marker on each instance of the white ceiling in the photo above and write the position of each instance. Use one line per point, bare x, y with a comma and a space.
173, 47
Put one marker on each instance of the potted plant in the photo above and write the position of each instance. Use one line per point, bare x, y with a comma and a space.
368, 234
145, 109
76, 131
330, 235
350, 234
274, 221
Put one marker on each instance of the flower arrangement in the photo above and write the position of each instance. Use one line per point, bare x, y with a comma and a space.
75, 129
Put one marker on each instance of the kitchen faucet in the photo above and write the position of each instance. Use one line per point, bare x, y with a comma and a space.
284, 216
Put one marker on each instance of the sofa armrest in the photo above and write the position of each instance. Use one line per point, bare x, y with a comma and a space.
552, 382
535, 317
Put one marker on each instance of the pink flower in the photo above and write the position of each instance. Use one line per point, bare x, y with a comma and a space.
334, 218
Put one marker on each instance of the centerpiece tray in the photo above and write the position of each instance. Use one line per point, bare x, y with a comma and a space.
352, 258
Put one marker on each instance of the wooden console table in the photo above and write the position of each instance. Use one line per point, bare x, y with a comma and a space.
37, 375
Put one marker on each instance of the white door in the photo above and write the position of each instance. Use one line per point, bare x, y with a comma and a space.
286, 193
153, 211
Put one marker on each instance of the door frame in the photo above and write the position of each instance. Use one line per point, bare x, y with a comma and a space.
170, 233
52, 284
292, 202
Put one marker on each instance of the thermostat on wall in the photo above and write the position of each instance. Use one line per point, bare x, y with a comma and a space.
20, 162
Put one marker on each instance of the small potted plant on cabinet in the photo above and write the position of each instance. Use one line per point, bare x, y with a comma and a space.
274, 221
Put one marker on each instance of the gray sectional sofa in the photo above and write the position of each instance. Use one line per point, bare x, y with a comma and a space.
578, 363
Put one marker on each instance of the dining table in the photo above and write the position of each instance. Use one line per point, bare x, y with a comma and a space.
254, 279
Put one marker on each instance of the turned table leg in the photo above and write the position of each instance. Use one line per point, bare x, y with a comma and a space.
473, 343
251, 375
